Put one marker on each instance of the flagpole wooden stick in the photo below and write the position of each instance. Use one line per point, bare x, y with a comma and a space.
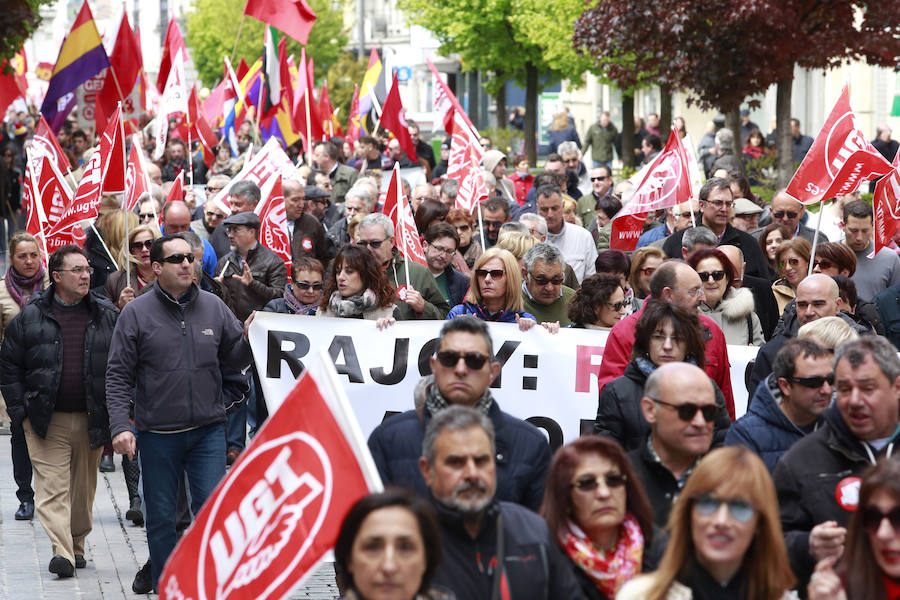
125, 199
256, 134
812, 254
309, 139
112, 72
238, 36
190, 158
401, 219
102, 243
481, 227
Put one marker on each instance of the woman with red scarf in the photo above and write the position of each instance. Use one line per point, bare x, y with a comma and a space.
599, 513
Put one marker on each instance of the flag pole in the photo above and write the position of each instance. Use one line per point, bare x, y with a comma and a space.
256, 134
401, 214
238, 36
190, 158
125, 199
481, 227
102, 243
812, 254
309, 140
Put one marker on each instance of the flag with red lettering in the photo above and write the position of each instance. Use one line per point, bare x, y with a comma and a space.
280, 507
840, 159
269, 160
45, 143
397, 208
112, 155
393, 118
354, 123
174, 101
273, 231
172, 44
136, 181
887, 206
665, 183
86, 203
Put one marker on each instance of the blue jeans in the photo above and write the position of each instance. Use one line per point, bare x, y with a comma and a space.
200, 453
602, 163
236, 428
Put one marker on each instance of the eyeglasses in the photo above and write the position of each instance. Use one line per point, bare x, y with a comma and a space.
463, 227
814, 381
823, 264
691, 292
720, 204
146, 216
442, 251
716, 275
647, 271
213, 190
872, 518
542, 281
305, 285
707, 505
177, 259
684, 215
214, 215
601, 178
617, 306
473, 360
136, 246
687, 411
374, 244
493, 224
794, 262
781, 214
494, 273
589, 484
78, 270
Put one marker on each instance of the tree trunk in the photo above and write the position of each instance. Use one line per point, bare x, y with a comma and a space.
628, 129
500, 100
733, 122
531, 95
783, 130
665, 113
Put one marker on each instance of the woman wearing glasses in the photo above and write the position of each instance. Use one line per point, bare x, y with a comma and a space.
495, 291
726, 540
469, 248
792, 258
644, 263
731, 308
869, 568
357, 288
599, 514
598, 304
304, 292
135, 256
663, 334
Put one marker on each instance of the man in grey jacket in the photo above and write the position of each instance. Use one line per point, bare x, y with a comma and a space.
168, 353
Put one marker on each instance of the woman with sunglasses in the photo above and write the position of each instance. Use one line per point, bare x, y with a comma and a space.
792, 258
599, 514
304, 292
869, 569
598, 304
731, 308
664, 333
725, 536
469, 248
135, 256
616, 262
357, 288
769, 239
644, 263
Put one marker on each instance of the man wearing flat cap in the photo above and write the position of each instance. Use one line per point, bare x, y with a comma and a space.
746, 215
318, 204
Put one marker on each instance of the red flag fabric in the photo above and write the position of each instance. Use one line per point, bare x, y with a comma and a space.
176, 192
665, 183
294, 17
173, 101
136, 181
269, 160
45, 143
273, 231
122, 74
112, 155
326, 112
354, 124
85, 205
46, 197
194, 123
305, 88
10, 88
173, 43
242, 69
393, 118
887, 206
464, 164
280, 507
397, 208
840, 159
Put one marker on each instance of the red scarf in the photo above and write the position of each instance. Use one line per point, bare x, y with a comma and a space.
608, 569
891, 588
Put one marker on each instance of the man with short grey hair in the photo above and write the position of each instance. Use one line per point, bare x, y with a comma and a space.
696, 238
421, 193
543, 292
536, 224
357, 202
242, 197
449, 190
571, 156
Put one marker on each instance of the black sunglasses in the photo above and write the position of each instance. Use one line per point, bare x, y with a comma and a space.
816, 381
780, 214
146, 216
687, 411
617, 306
492, 224
601, 178
494, 273
542, 281
872, 518
303, 285
177, 259
823, 264
376, 244
590, 483
716, 275
136, 246
474, 360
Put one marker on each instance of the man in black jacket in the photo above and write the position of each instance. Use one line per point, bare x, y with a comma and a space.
487, 544
441, 241
168, 354
53, 367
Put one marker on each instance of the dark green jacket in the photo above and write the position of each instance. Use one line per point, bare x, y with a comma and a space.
558, 311
436, 306
600, 140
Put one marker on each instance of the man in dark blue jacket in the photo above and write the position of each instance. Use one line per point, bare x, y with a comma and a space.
441, 242
463, 368
788, 404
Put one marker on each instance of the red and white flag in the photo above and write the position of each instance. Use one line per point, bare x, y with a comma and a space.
112, 154
45, 143
665, 183
269, 160
53, 195
887, 206
84, 206
173, 43
280, 508
273, 231
174, 101
176, 192
136, 181
840, 159
393, 118
397, 208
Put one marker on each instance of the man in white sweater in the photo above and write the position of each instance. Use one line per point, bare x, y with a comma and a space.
576, 243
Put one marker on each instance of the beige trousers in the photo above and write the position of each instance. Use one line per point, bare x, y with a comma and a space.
65, 480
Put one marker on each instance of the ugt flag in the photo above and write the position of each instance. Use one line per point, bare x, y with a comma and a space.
279, 509
887, 206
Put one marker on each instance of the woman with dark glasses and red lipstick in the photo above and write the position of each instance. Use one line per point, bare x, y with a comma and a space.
732, 308
135, 253
870, 566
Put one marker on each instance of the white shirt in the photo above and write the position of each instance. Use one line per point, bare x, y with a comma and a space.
578, 249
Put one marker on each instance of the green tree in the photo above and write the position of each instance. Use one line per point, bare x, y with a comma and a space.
210, 36
346, 72
18, 20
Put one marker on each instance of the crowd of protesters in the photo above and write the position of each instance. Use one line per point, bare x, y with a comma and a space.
135, 345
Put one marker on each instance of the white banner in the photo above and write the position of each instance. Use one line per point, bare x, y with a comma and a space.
548, 380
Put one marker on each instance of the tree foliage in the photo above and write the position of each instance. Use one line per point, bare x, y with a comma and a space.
342, 75
18, 20
214, 24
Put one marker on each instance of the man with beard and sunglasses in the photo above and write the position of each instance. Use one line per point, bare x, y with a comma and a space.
488, 544
463, 368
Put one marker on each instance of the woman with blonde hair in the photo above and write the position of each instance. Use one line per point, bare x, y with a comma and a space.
495, 291
105, 238
644, 263
831, 332
726, 540
135, 253
516, 243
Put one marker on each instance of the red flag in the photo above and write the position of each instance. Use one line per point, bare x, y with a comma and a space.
280, 507
194, 123
9, 87
326, 112
269, 160
294, 17
242, 69
211, 108
840, 159
112, 155
406, 236
174, 42
136, 181
464, 164
46, 198
84, 206
273, 232
122, 74
887, 206
176, 192
665, 183
354, 125
173, 101
305, 88
46, 144
393, 118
